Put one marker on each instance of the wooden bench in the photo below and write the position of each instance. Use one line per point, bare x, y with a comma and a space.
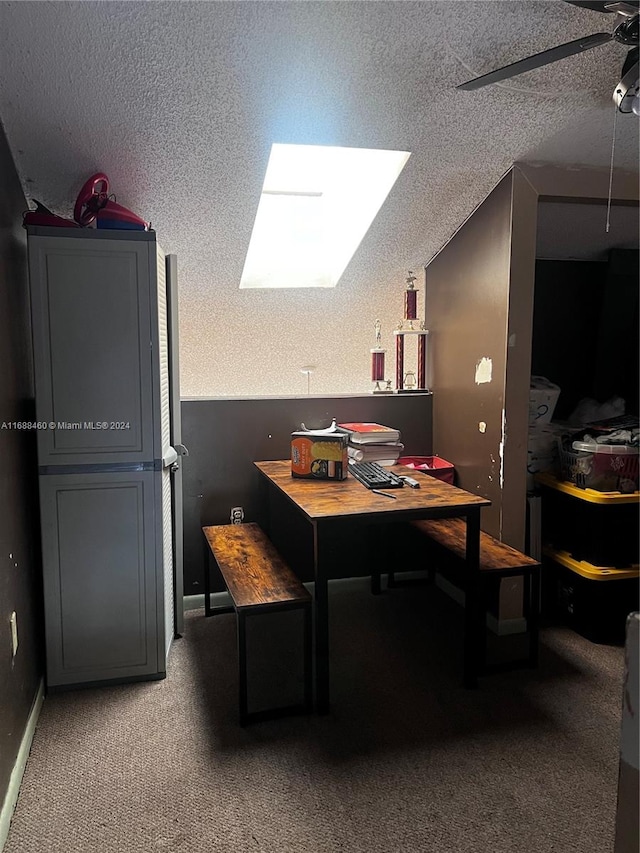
447, 542
258, 580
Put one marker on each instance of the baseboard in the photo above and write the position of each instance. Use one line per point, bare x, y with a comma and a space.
17, 773
451, 589
196, 602
501, 627
412, 575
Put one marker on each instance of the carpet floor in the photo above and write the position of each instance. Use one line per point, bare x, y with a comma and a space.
407, 760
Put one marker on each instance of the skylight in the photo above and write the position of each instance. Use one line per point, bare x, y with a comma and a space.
317, 203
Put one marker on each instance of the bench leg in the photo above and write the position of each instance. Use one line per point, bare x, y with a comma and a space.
473, 627
242, 667
483, 637
208, 609
207, 579
244, 715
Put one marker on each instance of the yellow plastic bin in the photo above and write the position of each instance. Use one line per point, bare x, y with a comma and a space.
593, 600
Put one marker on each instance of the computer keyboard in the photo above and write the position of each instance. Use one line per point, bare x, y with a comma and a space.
374, 476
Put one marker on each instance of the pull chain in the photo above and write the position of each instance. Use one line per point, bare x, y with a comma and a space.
613, 150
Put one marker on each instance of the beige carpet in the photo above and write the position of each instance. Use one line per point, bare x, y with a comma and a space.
407, 761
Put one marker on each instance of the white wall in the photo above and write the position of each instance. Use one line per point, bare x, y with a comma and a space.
253, 342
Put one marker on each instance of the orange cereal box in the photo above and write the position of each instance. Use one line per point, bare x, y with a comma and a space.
319, 456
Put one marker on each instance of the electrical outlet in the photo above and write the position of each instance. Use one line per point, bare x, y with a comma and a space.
237, 515
13, 621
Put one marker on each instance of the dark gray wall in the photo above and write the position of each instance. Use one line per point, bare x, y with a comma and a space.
19, 534
226, 436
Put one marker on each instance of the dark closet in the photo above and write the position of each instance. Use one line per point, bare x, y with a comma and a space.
585, 329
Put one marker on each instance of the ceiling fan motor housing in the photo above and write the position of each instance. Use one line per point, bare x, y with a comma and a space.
626, 92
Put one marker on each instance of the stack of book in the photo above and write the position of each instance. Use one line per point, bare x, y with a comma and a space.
370, 442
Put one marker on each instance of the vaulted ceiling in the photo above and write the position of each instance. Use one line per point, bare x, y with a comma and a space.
179, 102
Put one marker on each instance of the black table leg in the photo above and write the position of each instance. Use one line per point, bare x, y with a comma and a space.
321, 625
376, 557
264, 504
473, 618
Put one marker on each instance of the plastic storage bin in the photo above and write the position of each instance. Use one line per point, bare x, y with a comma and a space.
435, 466
594, 601
603, 467
601, 528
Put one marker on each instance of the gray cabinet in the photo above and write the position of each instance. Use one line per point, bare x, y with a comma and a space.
93, 337
100, 580
101, 360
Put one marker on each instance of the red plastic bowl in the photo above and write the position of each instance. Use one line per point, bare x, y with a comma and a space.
435, 466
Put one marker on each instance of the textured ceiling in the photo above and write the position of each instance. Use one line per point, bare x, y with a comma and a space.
179, 102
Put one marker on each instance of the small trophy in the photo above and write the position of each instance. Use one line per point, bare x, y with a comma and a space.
377, 364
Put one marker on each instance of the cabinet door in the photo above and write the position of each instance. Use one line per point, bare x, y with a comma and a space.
92, 330
100, 578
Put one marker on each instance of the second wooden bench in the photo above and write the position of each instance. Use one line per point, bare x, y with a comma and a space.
446, 540
258, 580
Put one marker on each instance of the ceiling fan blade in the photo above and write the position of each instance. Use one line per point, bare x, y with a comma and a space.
627, 9
537, 60
595, 5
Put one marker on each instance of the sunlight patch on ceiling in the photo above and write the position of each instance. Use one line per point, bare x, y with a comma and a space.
317, 203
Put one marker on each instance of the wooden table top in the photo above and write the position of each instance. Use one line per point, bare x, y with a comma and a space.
342, 498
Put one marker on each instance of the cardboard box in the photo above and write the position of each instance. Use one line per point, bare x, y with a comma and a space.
543, 396
319, 456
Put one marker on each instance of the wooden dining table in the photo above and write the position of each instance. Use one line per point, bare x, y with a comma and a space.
326, 504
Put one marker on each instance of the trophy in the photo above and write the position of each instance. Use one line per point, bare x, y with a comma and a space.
407, 381
377, 364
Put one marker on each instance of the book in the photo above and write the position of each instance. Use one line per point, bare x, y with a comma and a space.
388, 453
370, 433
